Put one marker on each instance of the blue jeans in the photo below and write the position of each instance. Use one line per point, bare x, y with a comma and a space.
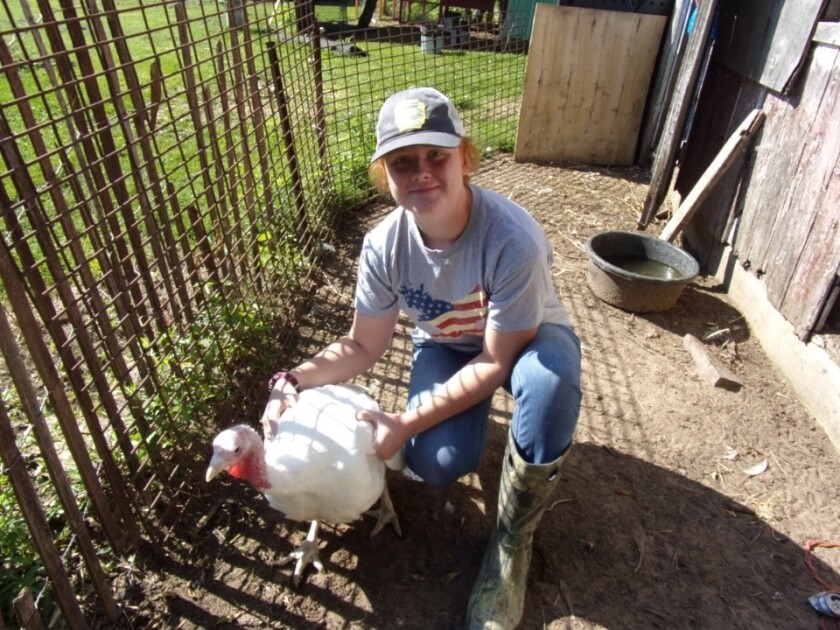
544, 383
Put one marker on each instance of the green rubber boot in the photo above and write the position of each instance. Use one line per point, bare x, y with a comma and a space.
524, 491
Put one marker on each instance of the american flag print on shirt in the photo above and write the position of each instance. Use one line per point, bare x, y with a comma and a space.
465, 316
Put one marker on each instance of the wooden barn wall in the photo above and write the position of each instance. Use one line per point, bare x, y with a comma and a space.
779, 207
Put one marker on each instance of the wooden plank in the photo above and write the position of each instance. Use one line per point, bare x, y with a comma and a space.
221, 211
663, 165
26, 611
257, 128
827, 33
246, 268
192, 93
803, 129
768, 199
711, 370
723, 206
737, 142
673, 49
586, 84
248, 168
721, 93
770, 174
812, 286
96, 369
779, 236
36, 522
801, 273
302, 226
717, 219
86, 205
320, 107
767, 40
153, 196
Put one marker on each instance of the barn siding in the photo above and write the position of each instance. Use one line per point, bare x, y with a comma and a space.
726, 100
780, 207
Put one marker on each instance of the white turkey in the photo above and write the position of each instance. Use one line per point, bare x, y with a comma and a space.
317, 464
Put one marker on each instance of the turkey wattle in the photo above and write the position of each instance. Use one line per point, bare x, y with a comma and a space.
317, 464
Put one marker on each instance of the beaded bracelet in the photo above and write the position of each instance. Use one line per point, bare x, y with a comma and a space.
284, 376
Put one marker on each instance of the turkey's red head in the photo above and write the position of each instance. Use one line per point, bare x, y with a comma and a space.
239, 451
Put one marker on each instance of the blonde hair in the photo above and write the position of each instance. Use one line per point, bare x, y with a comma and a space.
469, 152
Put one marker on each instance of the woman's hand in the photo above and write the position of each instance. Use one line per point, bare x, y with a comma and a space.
389, 433
282, 397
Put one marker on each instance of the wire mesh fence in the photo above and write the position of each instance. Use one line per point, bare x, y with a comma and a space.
172, 172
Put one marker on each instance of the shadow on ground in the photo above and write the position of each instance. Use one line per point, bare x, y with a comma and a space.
626, 545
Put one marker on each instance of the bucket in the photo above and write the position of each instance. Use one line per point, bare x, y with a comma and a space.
638, 272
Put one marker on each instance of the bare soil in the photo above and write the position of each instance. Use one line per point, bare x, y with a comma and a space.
655, 524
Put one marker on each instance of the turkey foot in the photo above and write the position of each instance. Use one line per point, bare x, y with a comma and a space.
306, 553
385, 514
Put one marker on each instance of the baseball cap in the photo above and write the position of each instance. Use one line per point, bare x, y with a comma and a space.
418, 115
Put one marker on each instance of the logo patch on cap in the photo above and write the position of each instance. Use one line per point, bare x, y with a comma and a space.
410, 115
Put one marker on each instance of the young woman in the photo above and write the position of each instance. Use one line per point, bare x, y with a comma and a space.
471, 269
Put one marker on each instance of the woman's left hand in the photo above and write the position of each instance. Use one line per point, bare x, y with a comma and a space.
389, 433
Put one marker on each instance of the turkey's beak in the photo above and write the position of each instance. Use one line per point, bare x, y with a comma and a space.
214, 468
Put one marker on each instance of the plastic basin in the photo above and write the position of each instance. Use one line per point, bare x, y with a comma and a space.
638, 272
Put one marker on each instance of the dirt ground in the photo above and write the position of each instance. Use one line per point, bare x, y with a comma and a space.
655, 524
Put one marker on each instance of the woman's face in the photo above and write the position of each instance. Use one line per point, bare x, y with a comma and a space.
424, 178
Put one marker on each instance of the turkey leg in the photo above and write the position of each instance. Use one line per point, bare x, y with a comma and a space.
306, 553
385, 514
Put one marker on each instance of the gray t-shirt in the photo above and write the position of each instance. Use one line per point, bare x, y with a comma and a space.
497, 273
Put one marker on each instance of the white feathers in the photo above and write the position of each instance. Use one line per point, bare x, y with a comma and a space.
321, 464
317, 464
